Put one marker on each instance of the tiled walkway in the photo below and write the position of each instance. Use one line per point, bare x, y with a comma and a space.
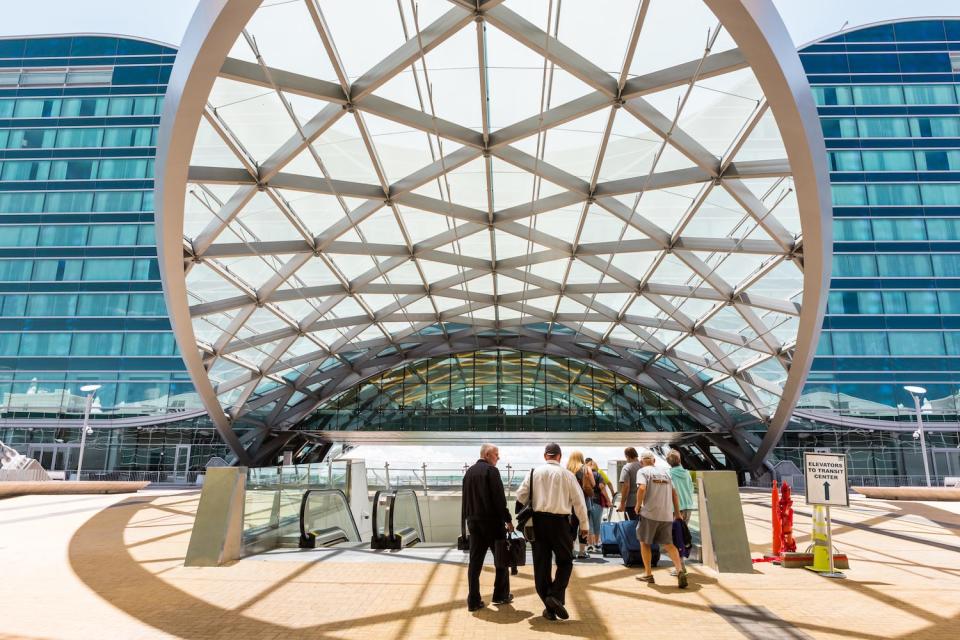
111, 567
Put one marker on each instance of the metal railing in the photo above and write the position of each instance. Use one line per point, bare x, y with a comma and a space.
386, 533
154, 477
325, 519
441, 478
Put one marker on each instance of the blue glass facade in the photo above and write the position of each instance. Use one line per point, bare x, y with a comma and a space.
889, 104
81, 296
888, 97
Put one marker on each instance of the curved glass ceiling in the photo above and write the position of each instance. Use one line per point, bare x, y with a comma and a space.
598, 180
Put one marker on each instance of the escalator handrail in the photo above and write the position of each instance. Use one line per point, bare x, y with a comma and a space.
416, 509
303, 509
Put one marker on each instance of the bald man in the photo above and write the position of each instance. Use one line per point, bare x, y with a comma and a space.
488, 520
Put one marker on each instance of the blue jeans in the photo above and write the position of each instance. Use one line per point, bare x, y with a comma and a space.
595, 515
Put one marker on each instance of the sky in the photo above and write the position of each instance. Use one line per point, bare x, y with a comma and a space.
166, 20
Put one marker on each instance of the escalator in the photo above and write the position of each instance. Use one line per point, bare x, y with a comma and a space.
325, 519
396, 520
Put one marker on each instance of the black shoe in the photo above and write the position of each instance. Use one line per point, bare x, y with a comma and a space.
549, 615
506, 600
682, 579
557, 607
476, 607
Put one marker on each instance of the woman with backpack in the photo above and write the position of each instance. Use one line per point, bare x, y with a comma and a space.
588, 481
602, 500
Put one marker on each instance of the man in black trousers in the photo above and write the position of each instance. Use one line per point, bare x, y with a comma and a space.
488, 520
555, 494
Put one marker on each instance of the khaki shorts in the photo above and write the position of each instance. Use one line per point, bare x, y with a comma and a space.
654, 531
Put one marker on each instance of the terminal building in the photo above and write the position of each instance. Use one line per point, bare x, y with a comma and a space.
359, 263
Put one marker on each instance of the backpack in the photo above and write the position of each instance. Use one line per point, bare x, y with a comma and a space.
587, 481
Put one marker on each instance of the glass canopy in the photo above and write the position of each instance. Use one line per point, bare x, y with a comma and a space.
603, 181
499, 391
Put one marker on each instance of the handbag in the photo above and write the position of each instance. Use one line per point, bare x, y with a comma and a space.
525, 515
463, 542
605, 501
510, 552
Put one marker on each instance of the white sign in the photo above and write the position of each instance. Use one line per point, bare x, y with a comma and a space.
826, 475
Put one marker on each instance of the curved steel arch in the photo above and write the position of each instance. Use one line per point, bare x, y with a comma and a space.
763, 45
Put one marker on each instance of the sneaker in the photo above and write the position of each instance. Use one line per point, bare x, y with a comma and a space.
648, 578
673, 572
682, 579
582, 556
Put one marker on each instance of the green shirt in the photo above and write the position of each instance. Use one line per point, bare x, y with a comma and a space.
684, 486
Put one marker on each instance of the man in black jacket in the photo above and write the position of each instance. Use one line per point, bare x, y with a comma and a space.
488, 520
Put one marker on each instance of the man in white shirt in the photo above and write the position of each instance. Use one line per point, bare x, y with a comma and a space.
556, 493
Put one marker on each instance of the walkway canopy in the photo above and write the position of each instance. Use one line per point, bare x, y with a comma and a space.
350, 187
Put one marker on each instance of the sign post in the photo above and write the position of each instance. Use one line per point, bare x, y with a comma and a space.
826, 485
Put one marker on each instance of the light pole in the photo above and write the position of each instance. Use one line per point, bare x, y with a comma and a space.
917, 393
90, 390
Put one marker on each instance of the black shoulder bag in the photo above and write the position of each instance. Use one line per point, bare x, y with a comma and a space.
525, 515
463, 542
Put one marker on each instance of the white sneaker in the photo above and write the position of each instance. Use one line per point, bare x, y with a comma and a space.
673, 572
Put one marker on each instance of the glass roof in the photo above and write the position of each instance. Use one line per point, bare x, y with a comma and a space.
594, 179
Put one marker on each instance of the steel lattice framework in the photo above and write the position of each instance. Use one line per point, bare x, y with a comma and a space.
303, 250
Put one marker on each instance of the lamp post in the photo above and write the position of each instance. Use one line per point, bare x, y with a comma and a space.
90, 390
917, 393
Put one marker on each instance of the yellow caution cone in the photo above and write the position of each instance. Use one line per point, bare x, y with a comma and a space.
821, 549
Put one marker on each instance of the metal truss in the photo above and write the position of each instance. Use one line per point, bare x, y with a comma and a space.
277, 344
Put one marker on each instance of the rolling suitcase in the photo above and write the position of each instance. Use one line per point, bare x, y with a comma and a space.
608, 539
629, 546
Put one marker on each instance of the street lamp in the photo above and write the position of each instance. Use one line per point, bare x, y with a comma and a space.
917, 393
90, 390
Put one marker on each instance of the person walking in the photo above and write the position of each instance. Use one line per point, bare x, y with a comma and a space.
585, 478
628, 484
488, 520
682, 483
598, 502
657, 498
556, 493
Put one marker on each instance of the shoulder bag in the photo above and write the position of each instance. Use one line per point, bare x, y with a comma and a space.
525, 515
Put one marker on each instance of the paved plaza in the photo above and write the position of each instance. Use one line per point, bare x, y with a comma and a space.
110, 566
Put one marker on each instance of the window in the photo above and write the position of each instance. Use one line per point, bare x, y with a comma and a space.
935, 127
899, 229
77, 137
123, 169
118, 201
922, 303
106, 304
45, 344
107, 269
97, 344
946, 160
73, 169
9, 344
84, 107
941, 194
883, 127
18, 236
904, 266
13, 305
52, 305
855, 303
888, 161
828, 96
147, 304
946, 265
851, 229
845, 161
943, 228
854, 266
859, 343
949, 301
893, 194
839, 127
68, 202
930, 94
112, 235
916, 343
848, 195
65, 235
148, 344
870, 95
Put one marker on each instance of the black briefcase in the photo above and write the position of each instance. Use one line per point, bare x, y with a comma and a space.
510, 552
